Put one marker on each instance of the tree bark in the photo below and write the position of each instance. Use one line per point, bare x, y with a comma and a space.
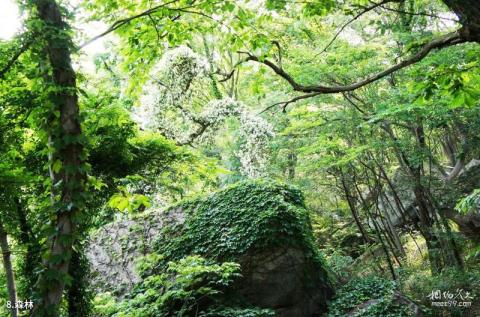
468, 11
68, 180
7, 264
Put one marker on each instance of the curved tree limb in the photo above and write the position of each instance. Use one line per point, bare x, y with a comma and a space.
437, 43
418, 13
285, 104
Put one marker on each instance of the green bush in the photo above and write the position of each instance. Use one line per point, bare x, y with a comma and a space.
192, 286
340, 264
360, 290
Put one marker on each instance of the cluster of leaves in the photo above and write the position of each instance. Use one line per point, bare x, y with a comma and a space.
188, 287
376, 292
469, 203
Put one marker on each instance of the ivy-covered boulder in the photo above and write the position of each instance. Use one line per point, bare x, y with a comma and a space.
262, 226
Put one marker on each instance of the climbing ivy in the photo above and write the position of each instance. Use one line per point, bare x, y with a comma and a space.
378, 292
248, 216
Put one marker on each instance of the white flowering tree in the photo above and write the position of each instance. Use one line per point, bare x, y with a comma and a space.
175, 102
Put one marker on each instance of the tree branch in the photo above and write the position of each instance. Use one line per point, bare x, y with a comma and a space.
365, 10
25, 46
286, 103
437, 43
124, 21
417, 13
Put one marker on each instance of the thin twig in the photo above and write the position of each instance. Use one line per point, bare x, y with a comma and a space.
122, 22
284, 104
365, 10
418, 13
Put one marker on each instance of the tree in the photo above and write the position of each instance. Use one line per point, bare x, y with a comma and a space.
67, 167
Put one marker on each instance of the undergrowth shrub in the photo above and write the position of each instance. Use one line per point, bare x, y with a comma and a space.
378, 292
449, 281
192, 286
340, 264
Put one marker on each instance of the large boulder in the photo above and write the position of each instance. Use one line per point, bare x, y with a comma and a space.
263, 226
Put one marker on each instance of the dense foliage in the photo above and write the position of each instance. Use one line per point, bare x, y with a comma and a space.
376, 292
191, 286
367, 111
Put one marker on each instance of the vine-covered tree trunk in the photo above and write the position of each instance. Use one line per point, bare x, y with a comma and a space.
66, 158
7, 265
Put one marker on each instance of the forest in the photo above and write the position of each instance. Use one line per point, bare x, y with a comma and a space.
248, 158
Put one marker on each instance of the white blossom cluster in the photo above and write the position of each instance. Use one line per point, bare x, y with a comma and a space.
169, 89
254, 131
217, 110
178, 68
166, 106
253, 153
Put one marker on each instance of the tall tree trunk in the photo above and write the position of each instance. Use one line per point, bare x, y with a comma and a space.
291, 164
66, 163
7, 265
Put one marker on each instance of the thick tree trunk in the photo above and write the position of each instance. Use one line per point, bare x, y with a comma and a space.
468, 11
69, 179
7, 264
79, 294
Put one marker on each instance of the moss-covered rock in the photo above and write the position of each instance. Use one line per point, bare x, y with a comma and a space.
263, 226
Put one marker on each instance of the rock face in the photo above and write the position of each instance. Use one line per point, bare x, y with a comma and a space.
263, 226
278, 279
447, 194
114, 249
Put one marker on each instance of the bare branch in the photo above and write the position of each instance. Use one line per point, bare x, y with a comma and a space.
155, 27
417, 13
227, 76
279, 48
